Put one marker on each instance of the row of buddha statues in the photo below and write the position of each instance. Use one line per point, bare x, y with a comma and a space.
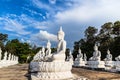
8, 59
96, 56
95, 61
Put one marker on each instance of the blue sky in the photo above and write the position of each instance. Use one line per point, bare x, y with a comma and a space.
37, 21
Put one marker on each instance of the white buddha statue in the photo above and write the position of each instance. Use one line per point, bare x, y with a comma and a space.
61, 48
9, 57
43, 52
12, 57
0, 53
38, 56
70, 57
85, 57
96, 54
80, 55
48, 51
5, 56
108, 56
117, 58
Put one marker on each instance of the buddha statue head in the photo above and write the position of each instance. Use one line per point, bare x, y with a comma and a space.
48, 44
61, 34
79, 50
96, 47
108, 51
43, 49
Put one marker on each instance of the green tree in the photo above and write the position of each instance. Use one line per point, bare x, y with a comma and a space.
116, 28
3, 38
90, 32
22, 50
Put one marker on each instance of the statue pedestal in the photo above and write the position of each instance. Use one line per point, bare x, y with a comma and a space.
50, 70
6, 63
117, 65
96, 64
3, 63
79, 63
109, 65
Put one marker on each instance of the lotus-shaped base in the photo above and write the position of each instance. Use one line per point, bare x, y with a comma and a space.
51, 70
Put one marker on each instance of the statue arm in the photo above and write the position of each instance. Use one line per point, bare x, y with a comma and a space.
111, 56
63, 47
99, 53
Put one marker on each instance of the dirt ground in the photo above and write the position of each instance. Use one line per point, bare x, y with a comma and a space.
16, 72
19, 72
96, 75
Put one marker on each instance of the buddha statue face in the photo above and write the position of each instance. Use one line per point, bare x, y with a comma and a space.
95, 48
61, 34
108, 52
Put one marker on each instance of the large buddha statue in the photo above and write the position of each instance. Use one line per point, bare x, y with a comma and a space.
108, 56
61, 48
96, 54
0, 53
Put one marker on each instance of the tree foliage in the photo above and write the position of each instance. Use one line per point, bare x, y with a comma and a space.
108, 37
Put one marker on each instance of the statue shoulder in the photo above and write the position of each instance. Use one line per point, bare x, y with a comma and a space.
64, 42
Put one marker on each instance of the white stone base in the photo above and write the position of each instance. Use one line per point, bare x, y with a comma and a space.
51, 76
79, 63
117, 65
96, 64
50, 70
109, 65
6, 63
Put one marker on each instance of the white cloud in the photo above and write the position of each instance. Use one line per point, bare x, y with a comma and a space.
33, 12
14, 26
43, 36
91, 10
39, 4
52, 1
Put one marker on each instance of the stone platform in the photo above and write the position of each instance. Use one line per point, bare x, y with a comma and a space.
96, 64
50, 70
117, 65
79, 63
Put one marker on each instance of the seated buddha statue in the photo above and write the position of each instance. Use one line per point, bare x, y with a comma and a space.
61, 48
96, 54
117, 58
108, 56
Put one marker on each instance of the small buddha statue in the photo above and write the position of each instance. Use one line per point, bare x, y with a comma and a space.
48, 51
9, 57
61, 48
5, 56
38, 56
117, 58
96, 54
80, 55
70, 57
85, 57
108, 56
0, 53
